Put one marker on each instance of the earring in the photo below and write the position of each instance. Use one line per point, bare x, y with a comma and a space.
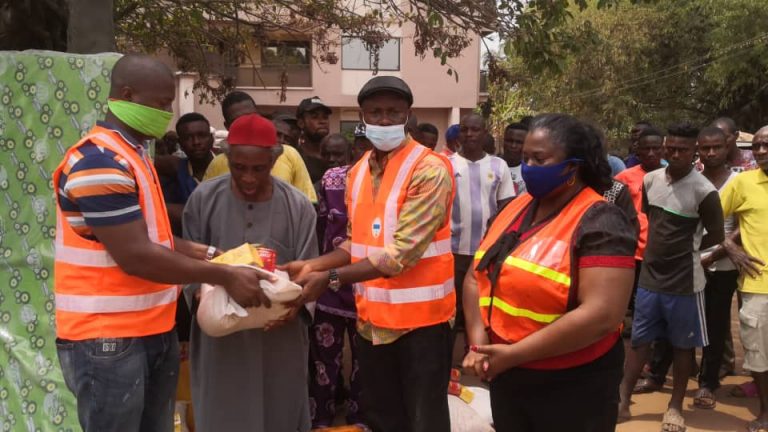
571, 181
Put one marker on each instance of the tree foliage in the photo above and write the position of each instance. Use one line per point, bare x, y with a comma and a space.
212, 36
661, 61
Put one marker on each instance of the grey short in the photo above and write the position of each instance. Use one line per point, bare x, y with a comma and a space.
753, 318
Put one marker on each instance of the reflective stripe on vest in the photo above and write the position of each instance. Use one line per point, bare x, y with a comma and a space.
422, 295
405, 295
518, 312
88, 257
534, 268
357, 183
389, 224
436, 248
114, 304
102, 258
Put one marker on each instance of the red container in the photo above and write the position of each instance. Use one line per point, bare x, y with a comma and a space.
455, 374
454, 388
268, 257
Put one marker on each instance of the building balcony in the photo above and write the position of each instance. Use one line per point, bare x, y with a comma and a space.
271, 76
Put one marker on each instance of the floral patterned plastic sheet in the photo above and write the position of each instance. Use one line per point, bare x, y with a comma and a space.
48, 100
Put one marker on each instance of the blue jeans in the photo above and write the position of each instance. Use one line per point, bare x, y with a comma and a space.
123, 384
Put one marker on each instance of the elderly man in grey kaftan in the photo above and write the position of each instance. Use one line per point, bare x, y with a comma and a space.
252, 380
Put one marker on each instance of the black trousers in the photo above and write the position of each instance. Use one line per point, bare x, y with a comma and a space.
718, 294
580, 399
405, 383
661, 361
461, 265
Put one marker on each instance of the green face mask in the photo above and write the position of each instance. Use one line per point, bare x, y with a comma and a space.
146, 120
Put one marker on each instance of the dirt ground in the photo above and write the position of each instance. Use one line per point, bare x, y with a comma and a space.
731, 413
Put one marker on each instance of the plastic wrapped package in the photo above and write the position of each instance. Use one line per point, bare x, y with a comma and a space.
219, 315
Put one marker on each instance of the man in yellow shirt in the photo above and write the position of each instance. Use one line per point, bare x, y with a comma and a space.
289, 167
746, 197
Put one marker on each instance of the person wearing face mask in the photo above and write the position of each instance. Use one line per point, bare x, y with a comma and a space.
552, 279
117, 264
397, 252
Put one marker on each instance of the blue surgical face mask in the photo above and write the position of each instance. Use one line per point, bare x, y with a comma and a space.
385, 138
541, 180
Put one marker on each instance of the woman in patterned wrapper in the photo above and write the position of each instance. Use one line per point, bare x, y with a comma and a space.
335, 313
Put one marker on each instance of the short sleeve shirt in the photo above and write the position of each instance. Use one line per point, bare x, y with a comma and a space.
480, 185
672, 262
746, 197
98, 188
517, 179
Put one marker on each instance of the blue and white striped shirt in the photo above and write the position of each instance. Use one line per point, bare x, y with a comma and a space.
480, 186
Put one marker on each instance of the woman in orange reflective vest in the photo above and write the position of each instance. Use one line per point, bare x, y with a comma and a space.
550, 287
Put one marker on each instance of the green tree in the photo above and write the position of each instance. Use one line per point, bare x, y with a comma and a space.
209, 36
661, 61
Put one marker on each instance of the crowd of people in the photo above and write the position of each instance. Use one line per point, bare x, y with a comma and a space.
547, 254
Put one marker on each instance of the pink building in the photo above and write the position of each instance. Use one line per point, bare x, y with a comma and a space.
438, 97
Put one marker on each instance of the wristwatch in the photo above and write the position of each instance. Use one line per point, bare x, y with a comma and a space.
333, 280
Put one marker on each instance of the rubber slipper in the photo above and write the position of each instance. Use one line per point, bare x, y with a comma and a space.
704, 399
673, 422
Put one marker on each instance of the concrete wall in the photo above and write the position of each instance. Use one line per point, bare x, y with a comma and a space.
438, 98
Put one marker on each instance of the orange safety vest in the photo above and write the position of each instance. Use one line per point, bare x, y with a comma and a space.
95, 298
534, 287
633, 178
423, 295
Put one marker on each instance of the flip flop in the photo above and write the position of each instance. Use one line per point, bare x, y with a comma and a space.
704, 399
757, 426
673, 422
646, 385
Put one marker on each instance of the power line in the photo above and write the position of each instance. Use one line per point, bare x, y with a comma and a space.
715, 53
660, 75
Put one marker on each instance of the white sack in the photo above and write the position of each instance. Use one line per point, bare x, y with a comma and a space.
464, 418
219, 315
481, 403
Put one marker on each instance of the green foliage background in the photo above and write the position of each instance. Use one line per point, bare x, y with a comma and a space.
661, 61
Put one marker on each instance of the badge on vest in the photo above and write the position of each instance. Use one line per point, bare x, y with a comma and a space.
376, 228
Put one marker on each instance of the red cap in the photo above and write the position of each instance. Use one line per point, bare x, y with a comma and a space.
252, 130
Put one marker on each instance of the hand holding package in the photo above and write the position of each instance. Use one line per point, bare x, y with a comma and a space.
219, 315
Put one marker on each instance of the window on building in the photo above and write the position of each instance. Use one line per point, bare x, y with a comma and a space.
267, 65
355, 55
